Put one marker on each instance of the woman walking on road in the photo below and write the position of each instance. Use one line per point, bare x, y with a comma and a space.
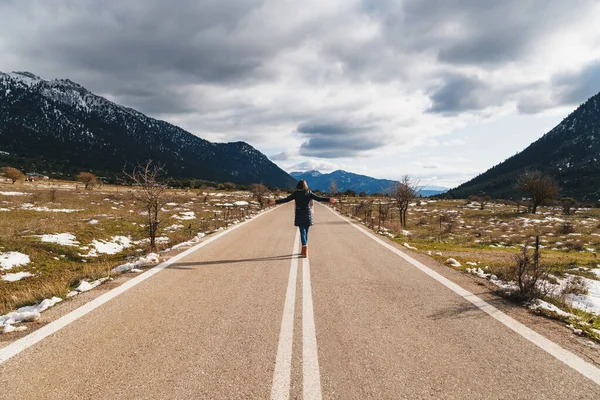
303, 219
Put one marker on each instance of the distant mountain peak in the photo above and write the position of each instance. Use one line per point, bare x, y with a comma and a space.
24, 77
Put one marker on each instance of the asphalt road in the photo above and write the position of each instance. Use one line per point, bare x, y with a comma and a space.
244, 318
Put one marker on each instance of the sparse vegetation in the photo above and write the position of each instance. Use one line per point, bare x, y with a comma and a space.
57, 207
568, 204
88, 179
333, 188
481, 200
538, 187
404, 192
153, 194
13, 174
529, 273
260, 192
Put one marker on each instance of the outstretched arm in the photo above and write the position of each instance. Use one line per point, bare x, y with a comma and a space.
321, 199
285, 200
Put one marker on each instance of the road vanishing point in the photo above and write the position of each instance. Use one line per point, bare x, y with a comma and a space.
242, 316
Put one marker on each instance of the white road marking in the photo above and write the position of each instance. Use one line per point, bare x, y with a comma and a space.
310, 357
18, 346
283, 363
570, 359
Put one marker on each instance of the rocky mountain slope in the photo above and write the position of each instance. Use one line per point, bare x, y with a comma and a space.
59, 127
570, 153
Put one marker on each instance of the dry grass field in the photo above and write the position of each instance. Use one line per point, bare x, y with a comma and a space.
54, 234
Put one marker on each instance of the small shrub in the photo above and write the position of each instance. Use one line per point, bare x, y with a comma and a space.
565, 228
422, 221
575, 245
52, 194
529, 273
568, 205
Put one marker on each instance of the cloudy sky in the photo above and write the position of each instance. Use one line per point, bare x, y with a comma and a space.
438, 89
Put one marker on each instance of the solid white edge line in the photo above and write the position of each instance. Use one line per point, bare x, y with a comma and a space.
311, 384
578, 364
19, 345
283, 364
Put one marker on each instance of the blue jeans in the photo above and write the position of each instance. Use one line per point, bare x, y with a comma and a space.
304, 234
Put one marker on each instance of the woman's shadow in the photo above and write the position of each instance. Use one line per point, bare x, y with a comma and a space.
183, 265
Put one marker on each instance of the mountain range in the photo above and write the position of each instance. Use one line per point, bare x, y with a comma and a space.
569, 153
61, 128
358, 183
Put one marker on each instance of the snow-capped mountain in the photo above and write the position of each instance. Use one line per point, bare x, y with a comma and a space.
344, 181
59, 126
570, 153
358, 183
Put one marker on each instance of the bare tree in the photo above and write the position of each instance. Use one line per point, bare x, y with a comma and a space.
333, 187
152, 194
13, 174
88, 179
404, 192
260, 192
538, 186
481, 200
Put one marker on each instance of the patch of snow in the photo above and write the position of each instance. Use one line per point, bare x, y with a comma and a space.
543, 305
13, 259
241, 203
30, 207
408, 246
17, 276
12, 193
589, 302
195, 240
453, 263
28, 313
151, 258
174, 227
113, 246
64, 239
84, 286
185, 215
93, 221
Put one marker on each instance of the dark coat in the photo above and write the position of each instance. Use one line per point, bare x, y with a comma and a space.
303, 214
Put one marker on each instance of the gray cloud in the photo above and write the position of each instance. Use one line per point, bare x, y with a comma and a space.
571, 88
283, 156
474, 31
575, 88
333, 139
214, 65
457, 94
